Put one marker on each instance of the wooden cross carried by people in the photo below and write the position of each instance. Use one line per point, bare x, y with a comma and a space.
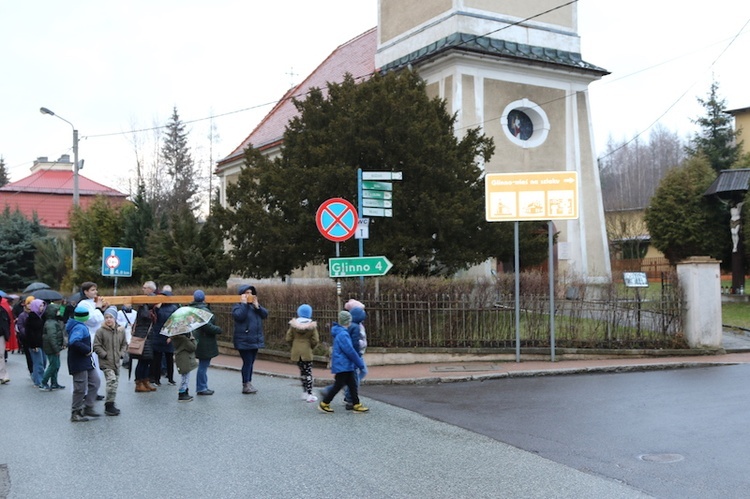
184, 299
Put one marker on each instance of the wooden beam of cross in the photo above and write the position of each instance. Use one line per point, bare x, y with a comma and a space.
183, 299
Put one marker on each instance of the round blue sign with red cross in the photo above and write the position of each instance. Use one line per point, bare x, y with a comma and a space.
336, 219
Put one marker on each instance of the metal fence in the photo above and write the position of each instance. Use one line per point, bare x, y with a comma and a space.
487, 320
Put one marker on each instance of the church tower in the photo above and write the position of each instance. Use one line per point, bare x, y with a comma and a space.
514, 69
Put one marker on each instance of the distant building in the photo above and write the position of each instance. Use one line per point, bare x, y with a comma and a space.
742, 125
48, 192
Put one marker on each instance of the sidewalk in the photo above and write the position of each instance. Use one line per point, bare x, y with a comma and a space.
737, 346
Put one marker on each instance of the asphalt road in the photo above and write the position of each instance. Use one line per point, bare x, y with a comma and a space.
267, 445
673, 434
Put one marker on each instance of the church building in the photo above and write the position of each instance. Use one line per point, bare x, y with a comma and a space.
512, 68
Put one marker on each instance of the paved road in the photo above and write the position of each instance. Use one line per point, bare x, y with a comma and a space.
674, 434
267, 445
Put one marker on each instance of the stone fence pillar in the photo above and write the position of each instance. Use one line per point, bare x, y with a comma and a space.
700, 280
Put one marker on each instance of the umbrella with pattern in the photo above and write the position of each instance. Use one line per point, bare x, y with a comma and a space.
184, 320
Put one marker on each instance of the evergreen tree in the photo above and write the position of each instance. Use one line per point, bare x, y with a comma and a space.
52, 260
387, 123
185, 253
93, 228
717, 139
18, 236
180, 168
4, 179
681, 220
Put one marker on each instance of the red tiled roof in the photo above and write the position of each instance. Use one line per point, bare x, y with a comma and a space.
356, 57
59, 182
49, 194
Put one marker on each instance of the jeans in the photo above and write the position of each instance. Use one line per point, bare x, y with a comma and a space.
37, 361
248, 359
201, 378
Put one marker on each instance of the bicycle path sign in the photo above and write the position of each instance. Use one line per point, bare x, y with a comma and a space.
336, 219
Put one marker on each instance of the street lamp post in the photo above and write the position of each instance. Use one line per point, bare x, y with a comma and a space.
44, 110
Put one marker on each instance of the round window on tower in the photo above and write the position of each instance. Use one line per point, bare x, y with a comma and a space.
525, 124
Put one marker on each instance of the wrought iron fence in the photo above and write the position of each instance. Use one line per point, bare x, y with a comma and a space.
485, 318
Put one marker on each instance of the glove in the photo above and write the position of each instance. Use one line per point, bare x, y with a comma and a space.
363, 372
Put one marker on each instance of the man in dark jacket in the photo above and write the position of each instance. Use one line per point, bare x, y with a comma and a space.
207, 347
81, 367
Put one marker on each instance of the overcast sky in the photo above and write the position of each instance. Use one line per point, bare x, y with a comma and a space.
113, 67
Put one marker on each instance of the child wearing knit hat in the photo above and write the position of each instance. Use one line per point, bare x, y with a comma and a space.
303, 336
81, 366
344, 361
110, 345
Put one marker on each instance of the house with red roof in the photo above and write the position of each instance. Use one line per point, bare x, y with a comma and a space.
48, 192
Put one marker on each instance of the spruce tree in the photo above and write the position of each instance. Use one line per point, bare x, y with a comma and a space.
4, 179
716, 139
180, 168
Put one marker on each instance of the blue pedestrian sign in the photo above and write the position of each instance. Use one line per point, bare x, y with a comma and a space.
117, 262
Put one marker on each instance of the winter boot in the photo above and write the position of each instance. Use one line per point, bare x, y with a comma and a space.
89, 411
246, 388
148, 385
184, 397
140, 387
110, 409
78, 417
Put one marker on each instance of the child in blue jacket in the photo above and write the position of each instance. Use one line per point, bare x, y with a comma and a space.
344, 361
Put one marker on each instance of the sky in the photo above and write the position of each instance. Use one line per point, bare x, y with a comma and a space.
111, 68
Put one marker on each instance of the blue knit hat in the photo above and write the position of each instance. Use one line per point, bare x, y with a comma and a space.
81, 313
305, 311
199, 295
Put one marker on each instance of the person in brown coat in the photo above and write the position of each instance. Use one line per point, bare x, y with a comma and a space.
303, 336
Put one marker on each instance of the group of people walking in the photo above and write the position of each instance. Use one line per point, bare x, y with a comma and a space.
99, 338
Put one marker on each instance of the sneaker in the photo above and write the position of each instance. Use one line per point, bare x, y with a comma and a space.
311, 398
349, 407
205, 392
325, 407
100, 397
359, 408
304, 395
184, 397
171, 382
251, 388
45, 388
57, 387
5, 381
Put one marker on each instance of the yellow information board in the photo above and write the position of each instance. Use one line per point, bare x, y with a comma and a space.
531, 196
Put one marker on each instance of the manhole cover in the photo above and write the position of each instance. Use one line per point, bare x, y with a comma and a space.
461, 368
661, 458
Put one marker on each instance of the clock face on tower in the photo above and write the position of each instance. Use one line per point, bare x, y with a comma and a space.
520, 125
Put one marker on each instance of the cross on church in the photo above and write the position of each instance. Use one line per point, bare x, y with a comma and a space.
291, 75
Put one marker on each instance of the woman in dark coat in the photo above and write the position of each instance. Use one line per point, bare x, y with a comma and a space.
143, 328
248, 318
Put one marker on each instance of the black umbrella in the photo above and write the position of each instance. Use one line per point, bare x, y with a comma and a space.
47, 295
75, 298
34, 286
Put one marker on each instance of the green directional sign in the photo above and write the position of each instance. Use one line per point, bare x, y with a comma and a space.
377, 186
362, 266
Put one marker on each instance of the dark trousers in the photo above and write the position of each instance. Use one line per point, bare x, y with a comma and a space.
156, 366
340, 381
142, 368
248, 359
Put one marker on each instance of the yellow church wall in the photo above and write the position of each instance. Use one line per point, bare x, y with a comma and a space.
395, 19
527, 8
549, 156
